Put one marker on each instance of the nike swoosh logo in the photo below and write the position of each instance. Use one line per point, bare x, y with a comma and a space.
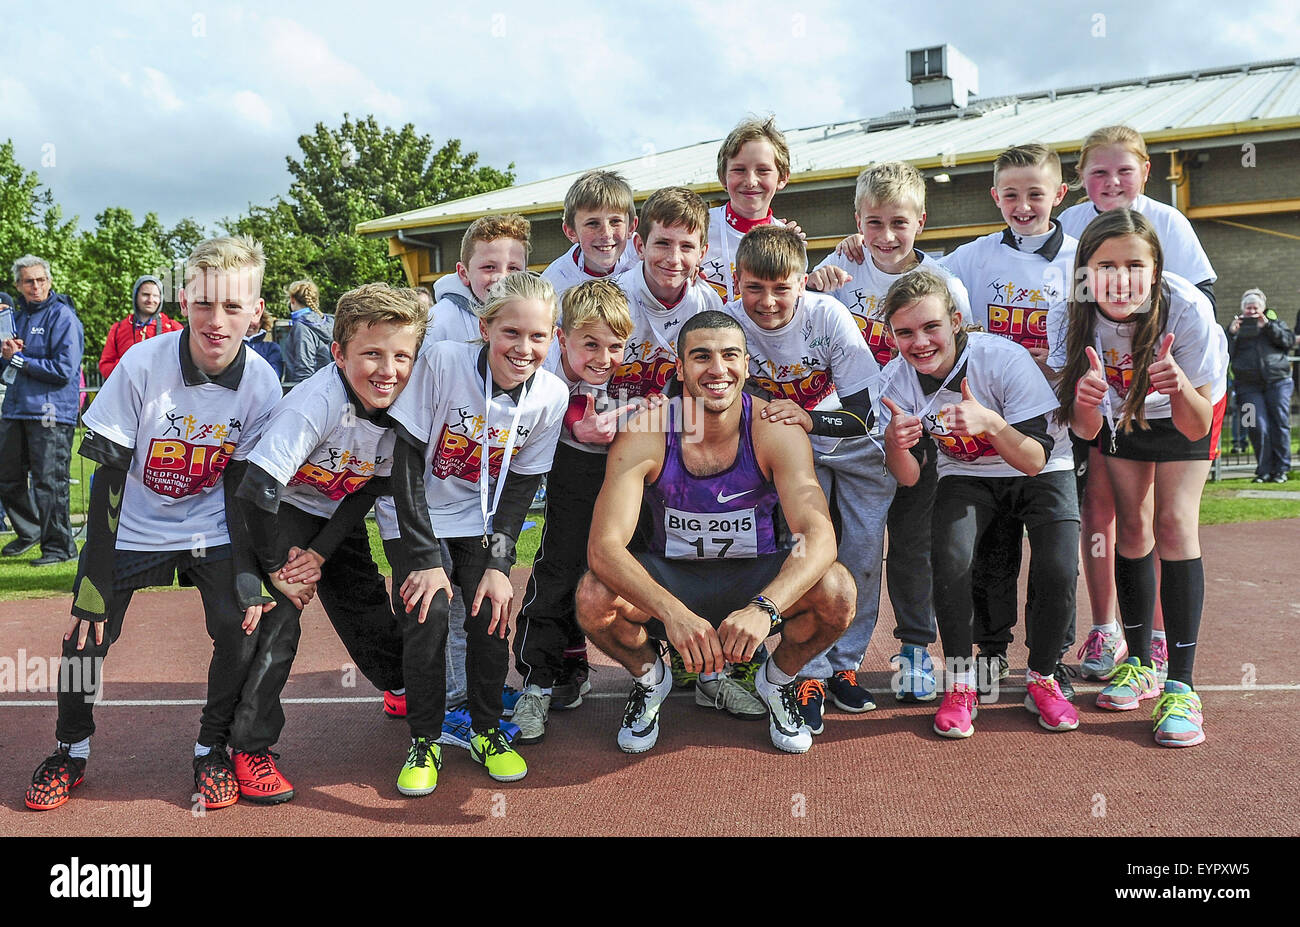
724, 499
1132, 627
653, 722
114, 509
1192, 644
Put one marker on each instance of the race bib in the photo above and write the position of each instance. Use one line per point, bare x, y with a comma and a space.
710, 535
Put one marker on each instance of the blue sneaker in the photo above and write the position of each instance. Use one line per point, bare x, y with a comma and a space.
914, 681
457, 729
811, 696
509, 699
1178, 719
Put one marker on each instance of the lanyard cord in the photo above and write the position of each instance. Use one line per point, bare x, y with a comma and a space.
485, 453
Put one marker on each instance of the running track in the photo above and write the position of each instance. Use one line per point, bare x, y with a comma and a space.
882, 773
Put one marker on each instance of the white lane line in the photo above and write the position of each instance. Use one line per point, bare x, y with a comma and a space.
375, 700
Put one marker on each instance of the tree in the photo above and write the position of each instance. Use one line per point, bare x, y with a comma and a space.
348, 175
31, 222
361, 171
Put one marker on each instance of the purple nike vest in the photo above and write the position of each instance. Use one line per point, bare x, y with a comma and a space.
727, 515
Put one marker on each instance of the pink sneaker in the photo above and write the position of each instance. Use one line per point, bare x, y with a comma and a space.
1045, 700
1160, 657
959, 708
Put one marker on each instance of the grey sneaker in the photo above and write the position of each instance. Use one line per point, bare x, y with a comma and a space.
531, 712
729, 695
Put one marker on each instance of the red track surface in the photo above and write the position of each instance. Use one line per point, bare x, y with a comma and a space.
882, 773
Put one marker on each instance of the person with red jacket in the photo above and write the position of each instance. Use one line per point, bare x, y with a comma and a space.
146, 321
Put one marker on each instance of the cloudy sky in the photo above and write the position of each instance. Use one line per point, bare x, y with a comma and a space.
189, 109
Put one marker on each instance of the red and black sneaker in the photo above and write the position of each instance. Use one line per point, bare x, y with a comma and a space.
214, 779
54, 780
394, 705
259, 780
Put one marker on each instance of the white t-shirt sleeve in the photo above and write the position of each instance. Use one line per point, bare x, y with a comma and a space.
538, 452
853, 365
412, 408
268, 392
1025, 391
287, 443
115, 412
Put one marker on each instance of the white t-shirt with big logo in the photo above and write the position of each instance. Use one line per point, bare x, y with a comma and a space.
1012, 291
650, 358
1200, 348
812, 359
864, 296
318, 448
442, 406
183, 437
1003, 378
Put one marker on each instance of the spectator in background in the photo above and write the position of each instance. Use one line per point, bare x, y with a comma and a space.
145, 321
259, 339
425, 297
41, 366
6, 302
1259, 343
310, 337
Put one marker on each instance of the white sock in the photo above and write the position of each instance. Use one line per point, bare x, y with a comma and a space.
775, 675
1157, 634
401, 691
201, 749
81, 749
654, 675
709, 677
1110, 630
966, 678
1031, 675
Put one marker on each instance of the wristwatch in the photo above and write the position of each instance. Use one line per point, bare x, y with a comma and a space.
768, 606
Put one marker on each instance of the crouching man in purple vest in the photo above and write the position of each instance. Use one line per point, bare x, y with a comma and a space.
715, 571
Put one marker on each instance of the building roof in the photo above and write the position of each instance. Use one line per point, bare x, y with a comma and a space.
1255, 97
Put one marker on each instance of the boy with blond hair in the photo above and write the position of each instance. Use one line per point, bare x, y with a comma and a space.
171, 430
753, 165
324, 456
491, 247
889, 211
600, 219
550, 648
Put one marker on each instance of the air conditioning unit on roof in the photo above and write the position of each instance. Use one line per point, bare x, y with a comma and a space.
940, 76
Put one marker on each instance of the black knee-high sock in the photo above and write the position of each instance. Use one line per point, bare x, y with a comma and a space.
1182, 595
1135, 587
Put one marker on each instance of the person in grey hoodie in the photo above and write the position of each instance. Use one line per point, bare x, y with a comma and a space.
310, 337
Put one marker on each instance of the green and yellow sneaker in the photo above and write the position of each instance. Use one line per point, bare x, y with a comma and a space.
420, 774
681, 678
493, 750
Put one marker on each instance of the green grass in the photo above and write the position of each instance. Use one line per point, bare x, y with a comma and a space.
1220, 505
20, 580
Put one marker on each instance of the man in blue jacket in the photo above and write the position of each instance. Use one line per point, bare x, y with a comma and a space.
41, 365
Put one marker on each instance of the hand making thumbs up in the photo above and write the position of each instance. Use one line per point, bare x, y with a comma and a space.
1091, 388
1167, 378
966, 418
904, 429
